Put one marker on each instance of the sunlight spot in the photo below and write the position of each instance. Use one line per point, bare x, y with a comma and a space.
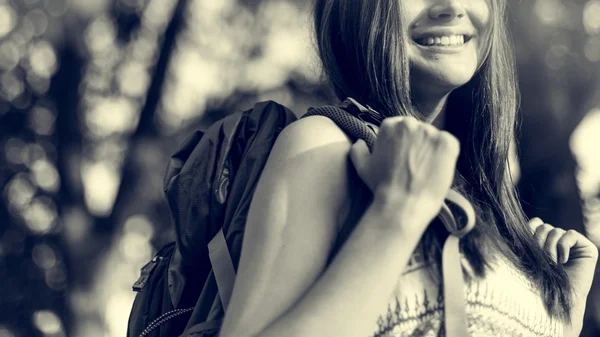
135, 247
196, 73
30, 153
57, 8
10, 55
179, 103
143, 49
20, 191
12, 150
90, 8
46, 176
41, 215
112, 114
44, 256
39, 85
56, 278
133, 79
157, 13
101, 183
591, 17
8, 19
592, 49
47, 322
43, 59
139, 224
549, 11
42, 120
100, 34
117, 311
11, 86
39, 20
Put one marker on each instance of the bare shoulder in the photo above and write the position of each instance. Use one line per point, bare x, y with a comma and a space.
313, 133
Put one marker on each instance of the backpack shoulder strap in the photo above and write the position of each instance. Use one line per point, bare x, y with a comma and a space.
354, 124
357, 120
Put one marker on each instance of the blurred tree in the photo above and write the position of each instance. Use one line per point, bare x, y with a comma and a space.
94, 96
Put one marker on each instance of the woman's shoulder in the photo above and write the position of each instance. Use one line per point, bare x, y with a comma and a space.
312, 133
311, 158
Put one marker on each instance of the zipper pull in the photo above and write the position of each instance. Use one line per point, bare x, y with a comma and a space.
145, 274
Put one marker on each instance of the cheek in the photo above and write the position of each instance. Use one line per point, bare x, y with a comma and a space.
480, 12
482, 19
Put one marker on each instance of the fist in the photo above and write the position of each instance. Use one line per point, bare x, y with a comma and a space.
411, 159
575, 252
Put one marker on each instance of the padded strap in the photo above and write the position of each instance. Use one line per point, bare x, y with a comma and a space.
222, 266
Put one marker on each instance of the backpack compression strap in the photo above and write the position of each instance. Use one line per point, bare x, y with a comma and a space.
455, 315
222, 266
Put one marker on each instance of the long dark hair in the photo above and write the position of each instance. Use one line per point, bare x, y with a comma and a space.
362, 47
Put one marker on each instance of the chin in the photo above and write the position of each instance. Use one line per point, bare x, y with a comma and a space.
443, 76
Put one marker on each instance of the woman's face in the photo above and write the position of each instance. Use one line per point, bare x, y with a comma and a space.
446, 42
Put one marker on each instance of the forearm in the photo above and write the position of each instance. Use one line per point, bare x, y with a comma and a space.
347, 299
574, 328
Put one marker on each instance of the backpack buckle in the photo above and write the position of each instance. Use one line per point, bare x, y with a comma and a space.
365, 113
147, 269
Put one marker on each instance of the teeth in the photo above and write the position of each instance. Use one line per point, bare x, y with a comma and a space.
452, 40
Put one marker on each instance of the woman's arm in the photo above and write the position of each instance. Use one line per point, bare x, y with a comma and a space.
579, 256
292, 224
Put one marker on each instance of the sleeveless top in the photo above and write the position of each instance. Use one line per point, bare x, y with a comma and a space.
503, 304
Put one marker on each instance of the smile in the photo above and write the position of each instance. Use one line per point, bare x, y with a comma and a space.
443, 40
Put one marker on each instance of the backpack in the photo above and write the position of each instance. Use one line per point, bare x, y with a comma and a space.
209, 182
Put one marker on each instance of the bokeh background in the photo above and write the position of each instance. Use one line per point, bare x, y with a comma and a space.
96, 94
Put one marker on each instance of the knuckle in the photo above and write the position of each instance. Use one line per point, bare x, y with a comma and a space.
387, 124
556, 232
572, 232
409, 122
449, 141
536, 219
541, 229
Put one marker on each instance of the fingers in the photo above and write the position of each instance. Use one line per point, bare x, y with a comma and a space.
566, 242
555, 241
534, 223
548, 238
551, 244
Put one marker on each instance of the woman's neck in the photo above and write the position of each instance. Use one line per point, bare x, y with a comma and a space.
434, 109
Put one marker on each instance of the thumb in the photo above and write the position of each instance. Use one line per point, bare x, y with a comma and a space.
358, 154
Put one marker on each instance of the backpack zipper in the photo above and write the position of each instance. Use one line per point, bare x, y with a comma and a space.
164, 318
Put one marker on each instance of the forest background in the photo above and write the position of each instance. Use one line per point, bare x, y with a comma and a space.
95, 95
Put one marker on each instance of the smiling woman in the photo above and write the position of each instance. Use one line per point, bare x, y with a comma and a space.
441, 74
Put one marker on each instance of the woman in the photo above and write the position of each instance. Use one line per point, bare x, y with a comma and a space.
442, 73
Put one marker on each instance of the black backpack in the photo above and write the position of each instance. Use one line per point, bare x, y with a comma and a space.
209, 182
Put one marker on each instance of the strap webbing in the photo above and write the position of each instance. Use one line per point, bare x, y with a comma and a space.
222, 266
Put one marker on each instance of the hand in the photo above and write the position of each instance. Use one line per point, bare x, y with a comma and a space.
412, 160
574, 251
